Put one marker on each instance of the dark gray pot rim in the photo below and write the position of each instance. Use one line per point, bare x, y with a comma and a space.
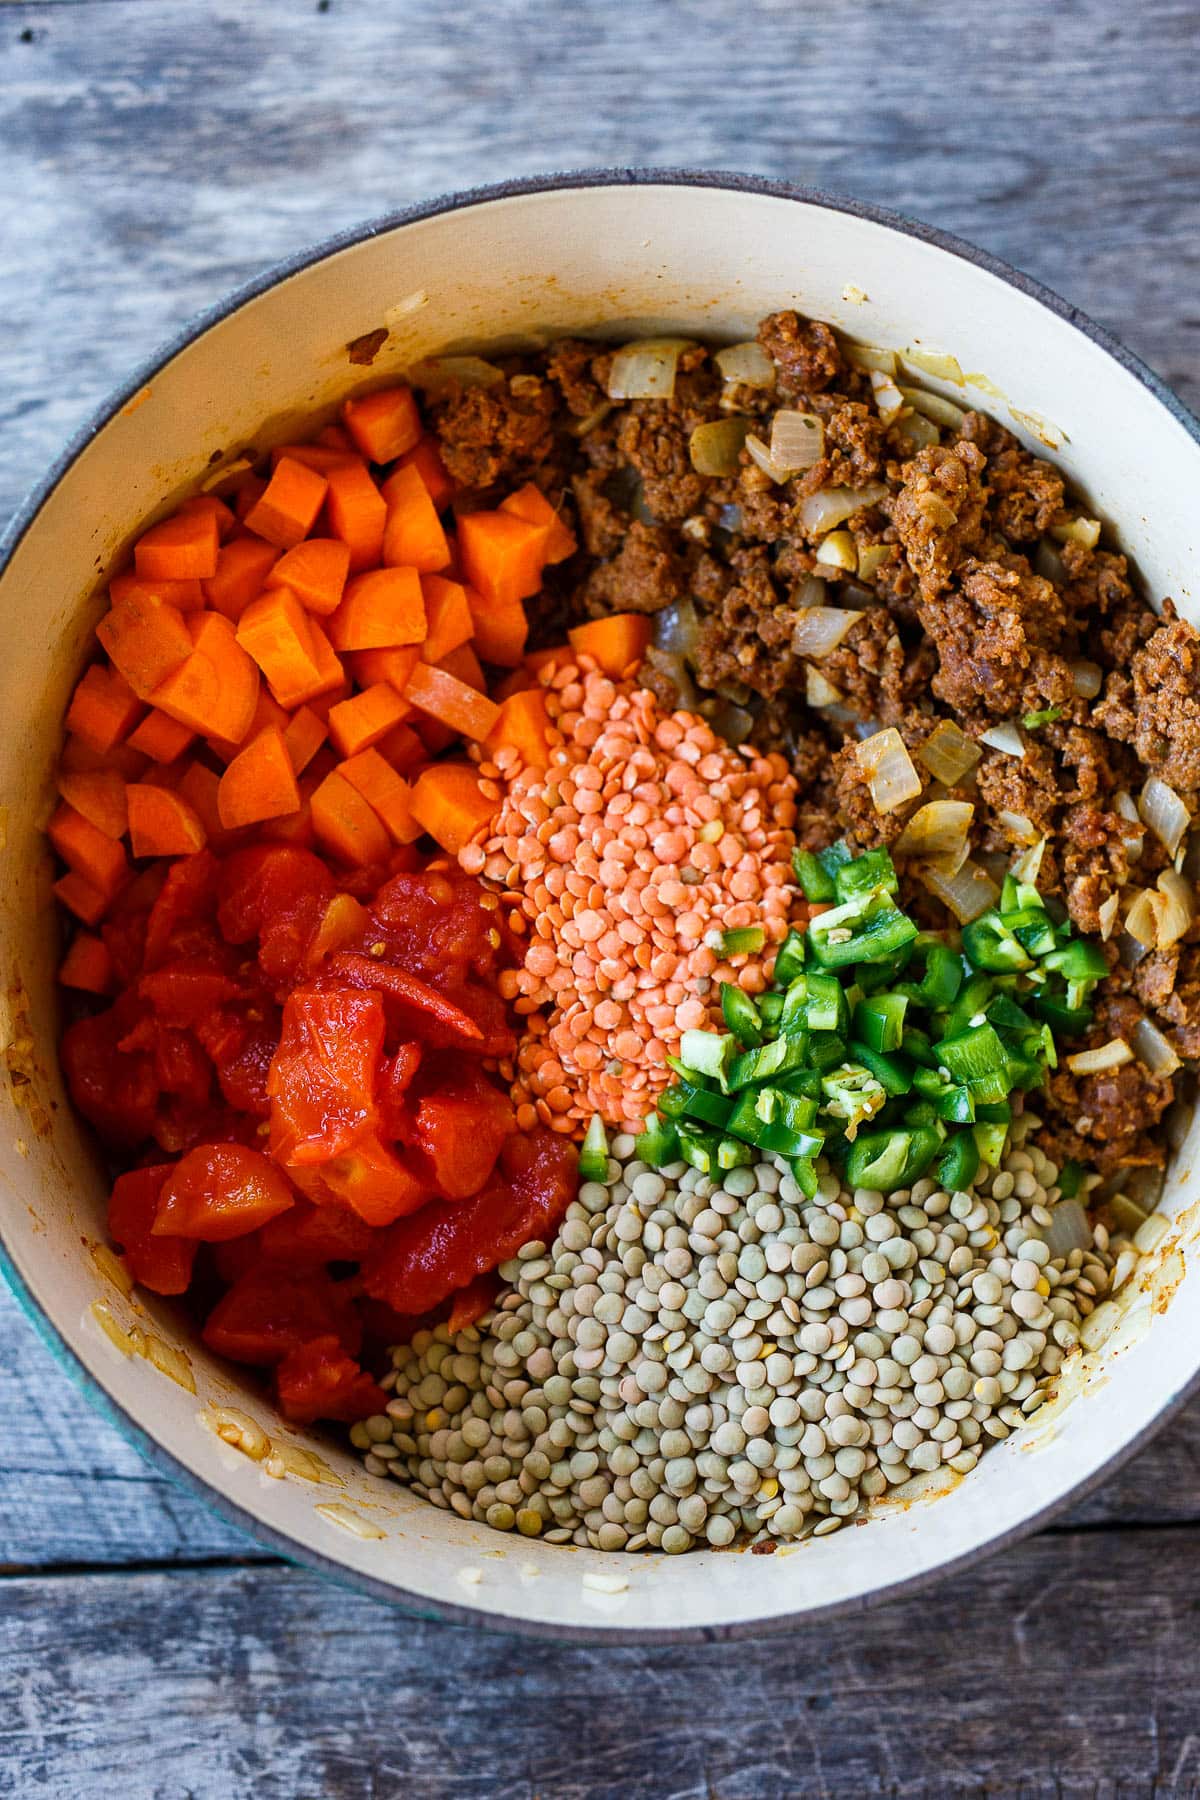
90, 1385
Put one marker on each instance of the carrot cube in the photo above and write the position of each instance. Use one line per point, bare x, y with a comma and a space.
242, 570
87, 850
617, 644
275, 631
160, 738
199, 786
215, 691
426, 458
304, 735
500, 628
267, 711
259, 783
83, 899
224, 515
360, 722
186, 596
385, 791
447, 617
316, 572
100, 797
502, 556
330, 676
529, 503
370, 666
357, 513
87, 965
523, 725
146, 640
413, 536
449, 804
161, 822
384, 424
287, 511
181, 548
347, 825
403, 749
380, 609
104, 708
451, 701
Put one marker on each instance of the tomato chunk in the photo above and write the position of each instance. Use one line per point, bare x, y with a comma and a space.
276, 893
115, 1090
269, 1313
308, 1237
323, 1075
461, 1127
418, 1262
319, 1381
221, 1191
162, 1264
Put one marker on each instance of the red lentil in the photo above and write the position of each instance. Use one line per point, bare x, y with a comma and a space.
645, 835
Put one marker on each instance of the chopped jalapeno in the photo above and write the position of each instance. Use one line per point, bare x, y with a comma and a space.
740, 1014
816, 883
593, 1152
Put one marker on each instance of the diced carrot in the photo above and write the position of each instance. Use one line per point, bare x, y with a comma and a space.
447, 617
413, 537
444, 697
210, 503
403, 749
346, 825
304, 735
293, 828
434, 736
181, 548
447, 803
388, 793
81, 758
162, 823
523, 725
87, 965
267, 712
321, 457
500, 629
160, 738
242, 570
502, 556
275, 630
250, 491
90, 852
617, 643
330, 677
358, 723
370, 666
146, 640
427, 459
216, 689
185, 595
384, 424
100, 797
316, 572
357, 513
287, 511
199, 786
83, 899
531, 504
465, 666
259, 783
380, 609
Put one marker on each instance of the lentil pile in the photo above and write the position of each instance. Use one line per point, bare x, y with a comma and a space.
690, 1361
646, 840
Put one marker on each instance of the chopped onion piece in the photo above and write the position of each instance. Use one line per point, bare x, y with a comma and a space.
838, 551
1154, 1049
1028, 866
939, 364
1108, 913
716, 448
1019, 827
932, 406
1086, 678
758, 453
1141, 921
797, 440
869, 356
646, 370
920, 431
937, 832
948, 753
1177, 911
818, 691
676, 628
746, 364
820, 629
885, 762
1078, 531
579, 428
1005, 738
888, 398
1068, 1230
1164, 812
871, 557
1130, 951
812, 591
437, 373
1048, 563
1094, 1062
1126, 805
967, 893
828, 507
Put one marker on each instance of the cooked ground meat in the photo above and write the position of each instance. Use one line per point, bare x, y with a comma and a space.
975, 606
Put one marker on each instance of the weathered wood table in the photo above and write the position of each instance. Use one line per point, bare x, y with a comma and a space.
153, 154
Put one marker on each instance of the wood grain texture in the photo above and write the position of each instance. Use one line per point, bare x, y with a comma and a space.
154, 154
1056, 1671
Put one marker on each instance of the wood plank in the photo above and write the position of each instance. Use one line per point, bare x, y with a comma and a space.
1064, 1668
1063, 137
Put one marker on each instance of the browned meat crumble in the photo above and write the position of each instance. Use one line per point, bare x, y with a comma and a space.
973, 610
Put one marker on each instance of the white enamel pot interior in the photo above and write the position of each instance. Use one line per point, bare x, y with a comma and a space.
616, 254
